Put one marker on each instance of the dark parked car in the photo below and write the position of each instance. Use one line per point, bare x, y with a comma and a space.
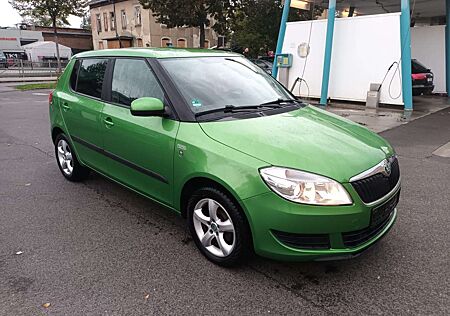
422, 78
3, 60
264, 64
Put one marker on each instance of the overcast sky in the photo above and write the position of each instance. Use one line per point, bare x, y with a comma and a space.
9, 17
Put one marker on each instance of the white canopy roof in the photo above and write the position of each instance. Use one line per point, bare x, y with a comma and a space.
45, 44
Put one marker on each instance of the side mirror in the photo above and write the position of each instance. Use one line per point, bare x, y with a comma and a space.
147, 107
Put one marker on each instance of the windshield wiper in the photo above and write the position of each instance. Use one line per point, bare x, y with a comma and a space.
280, 102
237, 109
240, 63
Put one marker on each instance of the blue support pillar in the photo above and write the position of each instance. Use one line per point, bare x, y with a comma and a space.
447, 46
405, 32
328, 51
281, 33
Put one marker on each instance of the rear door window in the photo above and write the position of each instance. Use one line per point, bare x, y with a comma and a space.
133, 79
74, 75
91, 75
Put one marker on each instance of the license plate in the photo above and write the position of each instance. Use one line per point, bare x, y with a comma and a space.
381, 213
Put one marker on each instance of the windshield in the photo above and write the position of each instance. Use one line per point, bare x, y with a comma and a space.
209, 83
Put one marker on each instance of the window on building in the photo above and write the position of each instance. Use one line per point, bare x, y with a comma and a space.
99, 22
123, 16
90, 76
105, 21
112, 19
133, 79
181, 42
137, 16
166, 42
221, 41
100, 45
139, 42
206, 44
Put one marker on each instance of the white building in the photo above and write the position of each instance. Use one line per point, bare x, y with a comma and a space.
11, 41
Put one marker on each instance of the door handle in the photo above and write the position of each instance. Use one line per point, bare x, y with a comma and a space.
65, 106
108, 122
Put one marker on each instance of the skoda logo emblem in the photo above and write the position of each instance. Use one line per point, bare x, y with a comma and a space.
387, 168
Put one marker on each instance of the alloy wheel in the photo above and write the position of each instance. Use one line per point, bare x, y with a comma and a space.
214, 227
65, 158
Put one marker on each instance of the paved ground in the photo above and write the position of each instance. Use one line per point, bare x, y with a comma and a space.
96, 248
388, 117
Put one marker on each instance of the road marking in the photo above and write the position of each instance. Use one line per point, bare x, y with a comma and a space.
443, 151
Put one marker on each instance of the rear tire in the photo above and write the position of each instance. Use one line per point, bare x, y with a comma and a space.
218, 227
67, 160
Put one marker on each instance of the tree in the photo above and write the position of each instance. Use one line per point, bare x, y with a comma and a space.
54, 11
193, 13
256, 24
86, 21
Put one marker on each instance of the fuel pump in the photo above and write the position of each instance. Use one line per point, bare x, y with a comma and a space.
283, 62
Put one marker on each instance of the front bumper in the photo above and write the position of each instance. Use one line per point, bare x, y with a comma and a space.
269, 214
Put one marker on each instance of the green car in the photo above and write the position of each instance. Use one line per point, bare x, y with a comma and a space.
211, 136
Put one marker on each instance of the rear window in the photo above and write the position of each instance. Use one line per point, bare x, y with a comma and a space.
418, 67
90, 76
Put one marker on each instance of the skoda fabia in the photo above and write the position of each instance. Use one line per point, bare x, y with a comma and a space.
211, 136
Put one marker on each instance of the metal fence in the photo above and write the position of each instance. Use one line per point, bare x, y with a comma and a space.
24, 68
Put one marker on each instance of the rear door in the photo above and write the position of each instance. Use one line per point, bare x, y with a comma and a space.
139, 149
81, 107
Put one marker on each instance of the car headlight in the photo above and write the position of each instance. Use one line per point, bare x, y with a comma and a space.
303, 187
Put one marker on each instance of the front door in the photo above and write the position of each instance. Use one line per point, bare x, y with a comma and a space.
82, 107
139, 149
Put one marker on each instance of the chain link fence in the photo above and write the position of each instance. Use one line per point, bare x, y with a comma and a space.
23, 68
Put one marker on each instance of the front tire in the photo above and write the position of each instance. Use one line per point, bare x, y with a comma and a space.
218, 227
67, 160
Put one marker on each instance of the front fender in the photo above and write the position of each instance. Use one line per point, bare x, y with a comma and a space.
197, 155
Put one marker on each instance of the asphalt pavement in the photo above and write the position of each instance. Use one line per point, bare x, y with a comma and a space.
97, 248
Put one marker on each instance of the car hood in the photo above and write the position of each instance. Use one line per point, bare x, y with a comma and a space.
308, 139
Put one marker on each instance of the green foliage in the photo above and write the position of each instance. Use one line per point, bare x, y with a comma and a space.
257, 22
193, 13
52, 12
49, 12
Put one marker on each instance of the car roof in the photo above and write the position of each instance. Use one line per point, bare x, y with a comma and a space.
156, 53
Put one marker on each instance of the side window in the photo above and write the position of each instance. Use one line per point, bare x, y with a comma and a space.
90, 76
74, 75
132, 79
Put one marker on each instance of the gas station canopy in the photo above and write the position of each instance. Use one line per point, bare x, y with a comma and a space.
410, 13
421, 8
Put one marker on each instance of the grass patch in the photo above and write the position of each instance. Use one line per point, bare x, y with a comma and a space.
34, 86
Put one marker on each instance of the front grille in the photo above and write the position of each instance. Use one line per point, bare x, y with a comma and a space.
377, 186
356, 238
304, 241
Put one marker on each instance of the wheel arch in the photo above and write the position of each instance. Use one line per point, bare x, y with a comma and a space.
202, 181
55, 132
194, 183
